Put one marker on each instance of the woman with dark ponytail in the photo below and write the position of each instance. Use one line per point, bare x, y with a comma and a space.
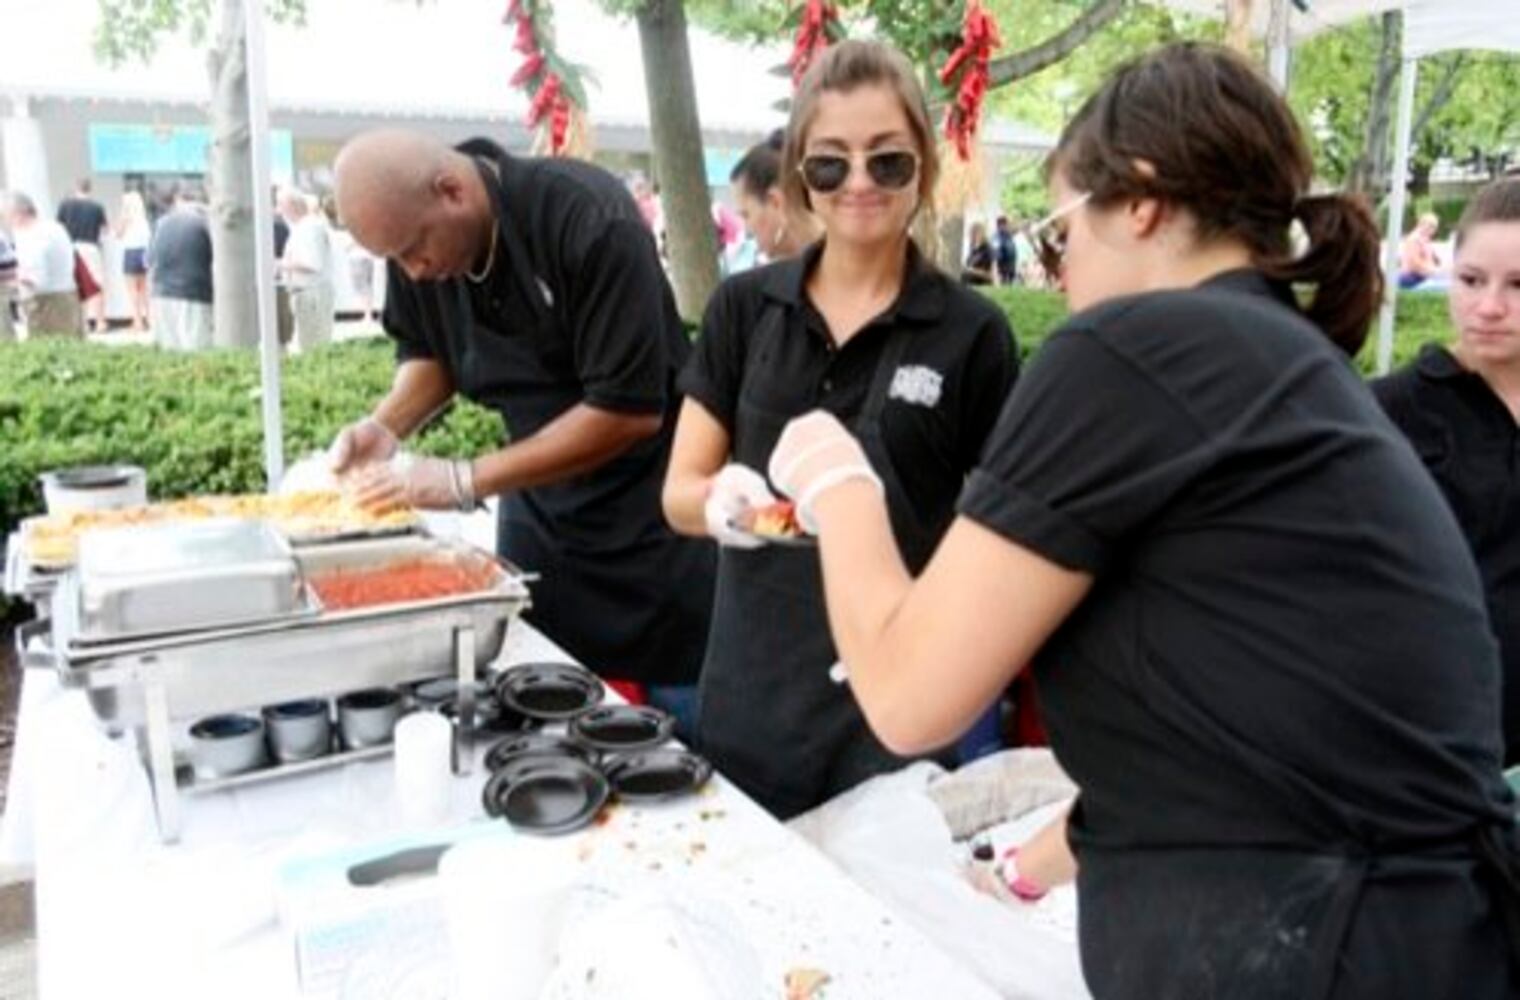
1259, 636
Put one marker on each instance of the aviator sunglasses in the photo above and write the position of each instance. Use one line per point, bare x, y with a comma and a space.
889, 169
1049, 238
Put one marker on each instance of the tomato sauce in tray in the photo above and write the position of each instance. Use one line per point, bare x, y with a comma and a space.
400, 582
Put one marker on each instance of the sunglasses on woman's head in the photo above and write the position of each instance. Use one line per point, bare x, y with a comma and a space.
1049, 235
889, 169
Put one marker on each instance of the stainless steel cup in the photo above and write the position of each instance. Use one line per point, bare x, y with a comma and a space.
224, 745
368, 718
299, 730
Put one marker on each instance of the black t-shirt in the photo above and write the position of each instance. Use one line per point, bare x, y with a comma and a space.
954, 377
1470, 442
179, 257
1285, 644
83, 218
575, 310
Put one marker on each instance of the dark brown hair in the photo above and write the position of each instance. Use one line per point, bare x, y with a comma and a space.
760, 168
843, 67
1496, 202
1200, 128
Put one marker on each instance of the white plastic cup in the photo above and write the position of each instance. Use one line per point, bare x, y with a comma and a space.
504, 902
424, 768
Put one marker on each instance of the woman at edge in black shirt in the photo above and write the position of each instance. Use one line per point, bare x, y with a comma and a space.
1259, 637
1461, 410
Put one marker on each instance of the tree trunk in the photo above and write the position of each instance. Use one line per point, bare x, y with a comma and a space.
1237, 25
1370, 168
230, 186
690, 234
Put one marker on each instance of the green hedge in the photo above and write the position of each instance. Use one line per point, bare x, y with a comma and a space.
192, 420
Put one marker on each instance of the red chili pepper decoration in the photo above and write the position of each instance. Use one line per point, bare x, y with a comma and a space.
979, 39
550, 103
820, 20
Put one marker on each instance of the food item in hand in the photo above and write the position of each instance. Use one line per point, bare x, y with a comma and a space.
776, 520
400, 582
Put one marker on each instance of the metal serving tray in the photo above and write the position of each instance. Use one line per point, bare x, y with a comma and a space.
152, 580
324, 654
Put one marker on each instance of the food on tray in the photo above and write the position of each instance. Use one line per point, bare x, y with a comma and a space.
776, 520
314, 514
412, 580
805, 984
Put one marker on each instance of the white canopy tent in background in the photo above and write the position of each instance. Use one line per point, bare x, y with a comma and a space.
1432, 27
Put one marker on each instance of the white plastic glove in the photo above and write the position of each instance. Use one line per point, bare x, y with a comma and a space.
735, 489
413, 481
361, 443
816, 453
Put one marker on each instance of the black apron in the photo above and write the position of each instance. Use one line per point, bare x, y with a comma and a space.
605, 567
771, 719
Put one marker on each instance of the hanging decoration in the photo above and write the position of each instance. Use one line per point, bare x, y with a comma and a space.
966, 76
818, 27
555, 87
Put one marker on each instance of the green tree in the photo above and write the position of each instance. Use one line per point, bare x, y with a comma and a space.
1343, 88
133, 29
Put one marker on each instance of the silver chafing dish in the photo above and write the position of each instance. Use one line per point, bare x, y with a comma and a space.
146, 680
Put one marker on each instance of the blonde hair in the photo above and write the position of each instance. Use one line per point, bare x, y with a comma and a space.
842, 68
132, 208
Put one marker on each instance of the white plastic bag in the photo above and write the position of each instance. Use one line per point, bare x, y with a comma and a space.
892, 836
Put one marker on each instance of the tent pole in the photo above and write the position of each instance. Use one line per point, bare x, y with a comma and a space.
1396, 201
263, 244
1279, 45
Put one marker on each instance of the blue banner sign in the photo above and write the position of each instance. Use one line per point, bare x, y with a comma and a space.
170, 149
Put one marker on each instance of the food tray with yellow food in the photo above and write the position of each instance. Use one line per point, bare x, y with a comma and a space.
52, 541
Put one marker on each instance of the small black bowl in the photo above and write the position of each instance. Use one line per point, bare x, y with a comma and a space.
622, 728
546, 795
657, 775
550, 691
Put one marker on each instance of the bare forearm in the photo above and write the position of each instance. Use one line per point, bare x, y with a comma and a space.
418, 390
684, 500
865, 585
579, 440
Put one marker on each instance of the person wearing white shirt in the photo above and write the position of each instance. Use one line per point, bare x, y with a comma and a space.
45, 271
307, 266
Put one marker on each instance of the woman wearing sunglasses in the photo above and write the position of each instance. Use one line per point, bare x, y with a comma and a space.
1260, 639
859, 324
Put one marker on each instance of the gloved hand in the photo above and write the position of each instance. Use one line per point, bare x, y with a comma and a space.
735, 489
361, 443
816, 453
414, 481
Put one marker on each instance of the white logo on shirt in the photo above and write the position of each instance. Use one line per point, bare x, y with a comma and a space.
543, 286
917, 385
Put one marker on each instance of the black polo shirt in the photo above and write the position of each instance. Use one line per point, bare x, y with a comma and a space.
575, 310
84, 219
1470, 442
1285, 643
962, 360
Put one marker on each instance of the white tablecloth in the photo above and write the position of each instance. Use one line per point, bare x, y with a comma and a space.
121, 915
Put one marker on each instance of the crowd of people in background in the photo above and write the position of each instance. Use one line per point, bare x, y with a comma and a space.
54, 273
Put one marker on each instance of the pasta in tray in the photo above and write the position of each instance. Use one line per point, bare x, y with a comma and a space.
52, 540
